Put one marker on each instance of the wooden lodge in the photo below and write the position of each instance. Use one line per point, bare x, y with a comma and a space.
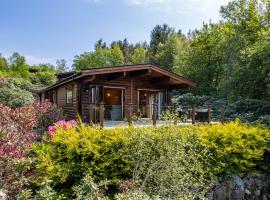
121, 91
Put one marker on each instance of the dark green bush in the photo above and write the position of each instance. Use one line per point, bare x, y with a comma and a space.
248, 110
190, 99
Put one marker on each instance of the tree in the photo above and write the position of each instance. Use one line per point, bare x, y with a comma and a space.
18, 66
61, 66
44, 76
171, 52
3, 63
139, 56
100, 44
159, 35
117, 57
101, 57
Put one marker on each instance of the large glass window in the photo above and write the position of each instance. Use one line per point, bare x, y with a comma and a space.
69, 95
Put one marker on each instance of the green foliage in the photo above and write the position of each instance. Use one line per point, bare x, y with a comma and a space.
139, 56
101, 57
47, 192
264, 120
74, 153
117, 57
237, 146
88, 189
172, 52
135, 195
16, 92
248, 110
172, 161
170, 116
44, 76
18, 66
190, 99
230, 58
159, 35
15, 67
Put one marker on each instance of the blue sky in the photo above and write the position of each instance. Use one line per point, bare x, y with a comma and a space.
46, 30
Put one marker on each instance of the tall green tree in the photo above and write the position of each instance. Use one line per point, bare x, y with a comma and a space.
117, 57
170, 54
139, 56
159, 35
18, 66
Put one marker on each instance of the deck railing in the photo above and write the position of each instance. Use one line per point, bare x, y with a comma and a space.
98, 113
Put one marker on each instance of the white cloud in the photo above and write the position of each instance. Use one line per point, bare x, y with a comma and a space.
180, 6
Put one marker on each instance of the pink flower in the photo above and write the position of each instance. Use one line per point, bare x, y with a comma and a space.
72, 122
62, 124
51, 129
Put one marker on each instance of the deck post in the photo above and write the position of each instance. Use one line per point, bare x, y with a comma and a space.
91, 114
130, 110
154, 117
209, 111
193, 113
222, 113
101, 114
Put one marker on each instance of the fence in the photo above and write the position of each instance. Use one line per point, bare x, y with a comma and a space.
98, 113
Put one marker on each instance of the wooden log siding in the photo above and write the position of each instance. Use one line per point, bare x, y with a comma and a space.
70, 110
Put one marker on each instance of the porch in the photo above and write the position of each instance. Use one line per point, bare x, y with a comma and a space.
170, 115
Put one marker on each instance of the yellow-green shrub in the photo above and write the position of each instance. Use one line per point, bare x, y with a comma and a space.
72, 153
238, 146
167, 161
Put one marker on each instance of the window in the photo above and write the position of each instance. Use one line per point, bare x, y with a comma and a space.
69, 95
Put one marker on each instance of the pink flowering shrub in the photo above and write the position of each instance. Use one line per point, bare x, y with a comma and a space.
19, 128
63, 125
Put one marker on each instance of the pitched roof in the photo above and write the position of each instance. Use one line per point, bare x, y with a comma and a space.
123, 68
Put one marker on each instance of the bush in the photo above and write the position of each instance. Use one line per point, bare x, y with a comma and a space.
75, 152
264, 120
248, 110
15, 92
19, 128
170, 162
190, 99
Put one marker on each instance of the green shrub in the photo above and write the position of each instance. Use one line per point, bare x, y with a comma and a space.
264, 120
190, 99
71, 154
15, 92
248, 110
170, 162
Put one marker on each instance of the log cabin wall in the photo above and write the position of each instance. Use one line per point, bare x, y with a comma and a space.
70, 110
